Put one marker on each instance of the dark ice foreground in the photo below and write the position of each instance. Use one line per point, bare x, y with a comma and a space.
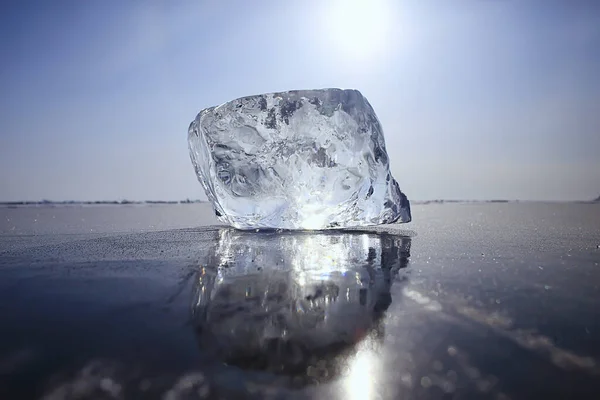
494, 301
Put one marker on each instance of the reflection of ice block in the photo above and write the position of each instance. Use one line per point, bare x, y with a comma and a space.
277, 300
311, 159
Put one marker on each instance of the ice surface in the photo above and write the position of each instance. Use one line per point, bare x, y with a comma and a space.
310, 159
275, 300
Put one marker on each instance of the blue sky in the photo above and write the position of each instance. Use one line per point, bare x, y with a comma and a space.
478, 99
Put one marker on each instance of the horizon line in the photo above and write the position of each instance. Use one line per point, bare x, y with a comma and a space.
193, 201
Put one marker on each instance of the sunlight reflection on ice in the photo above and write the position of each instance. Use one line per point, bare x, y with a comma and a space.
299, 304
360, 380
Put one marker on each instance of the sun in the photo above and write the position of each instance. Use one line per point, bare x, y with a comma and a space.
359, 29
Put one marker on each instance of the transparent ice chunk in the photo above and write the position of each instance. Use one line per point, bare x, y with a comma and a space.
308, 159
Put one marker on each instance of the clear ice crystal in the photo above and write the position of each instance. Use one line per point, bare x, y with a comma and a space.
307, 159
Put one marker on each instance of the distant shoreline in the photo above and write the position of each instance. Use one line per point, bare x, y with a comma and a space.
98, 202
173, 202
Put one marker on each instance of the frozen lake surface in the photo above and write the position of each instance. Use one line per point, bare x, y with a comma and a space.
494, 300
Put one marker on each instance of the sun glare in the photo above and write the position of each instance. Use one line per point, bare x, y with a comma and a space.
361, 376
359, 29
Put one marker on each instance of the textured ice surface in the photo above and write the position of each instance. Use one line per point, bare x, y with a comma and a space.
309, 159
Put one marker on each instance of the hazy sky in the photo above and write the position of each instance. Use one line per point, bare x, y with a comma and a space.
478, 99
